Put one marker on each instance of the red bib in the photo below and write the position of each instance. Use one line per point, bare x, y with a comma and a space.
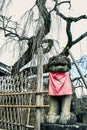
59, 84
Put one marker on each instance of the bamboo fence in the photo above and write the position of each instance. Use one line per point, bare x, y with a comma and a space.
18, 102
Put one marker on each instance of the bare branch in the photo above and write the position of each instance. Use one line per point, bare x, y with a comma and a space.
2, 3
58, 4
28, 55
69, 2
73, 19
32, 42
46, 16
9, 2
69, 45
10, 29
79, 38
50, 44
69, 21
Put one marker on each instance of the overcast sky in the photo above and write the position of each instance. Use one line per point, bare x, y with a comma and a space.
79, 7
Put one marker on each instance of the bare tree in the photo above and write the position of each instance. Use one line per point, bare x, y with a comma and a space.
12, 31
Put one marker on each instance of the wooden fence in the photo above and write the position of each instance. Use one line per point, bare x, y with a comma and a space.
18, 102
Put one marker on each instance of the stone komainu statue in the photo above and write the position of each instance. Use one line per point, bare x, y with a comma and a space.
60, 91
59, 63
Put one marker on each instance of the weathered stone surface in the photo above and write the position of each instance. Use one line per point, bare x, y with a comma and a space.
59, 63
2, 129
77, 126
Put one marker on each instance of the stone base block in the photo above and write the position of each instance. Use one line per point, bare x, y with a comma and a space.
78, 126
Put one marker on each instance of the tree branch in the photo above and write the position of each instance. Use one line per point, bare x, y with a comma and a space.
69, 21
69, 2
58, 4
50, 44
28, 55
39, 38
32, 42
76, 19
79, 38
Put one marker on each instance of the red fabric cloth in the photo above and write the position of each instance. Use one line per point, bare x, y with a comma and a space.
59, 84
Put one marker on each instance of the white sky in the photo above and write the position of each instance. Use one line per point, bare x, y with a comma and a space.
79, 7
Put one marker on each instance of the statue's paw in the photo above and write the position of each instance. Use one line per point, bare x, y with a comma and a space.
52, 119
64, 118
67, 119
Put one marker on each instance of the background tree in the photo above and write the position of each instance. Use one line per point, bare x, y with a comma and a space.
43, 23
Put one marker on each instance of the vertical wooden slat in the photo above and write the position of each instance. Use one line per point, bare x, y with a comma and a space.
4, 102
10, 102
14, 102
1, 113
16, 111
29, 110
39, 99
19, 111
21, 97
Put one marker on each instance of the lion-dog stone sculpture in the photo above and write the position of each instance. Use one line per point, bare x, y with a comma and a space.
60, 91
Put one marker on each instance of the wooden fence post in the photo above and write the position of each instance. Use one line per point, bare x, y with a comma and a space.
39, 98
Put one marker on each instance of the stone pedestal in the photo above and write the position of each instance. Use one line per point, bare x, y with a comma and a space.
77, 126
